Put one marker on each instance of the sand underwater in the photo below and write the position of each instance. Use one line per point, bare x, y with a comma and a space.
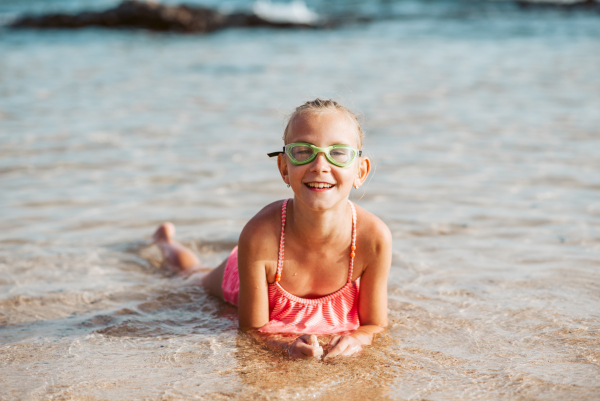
483, 126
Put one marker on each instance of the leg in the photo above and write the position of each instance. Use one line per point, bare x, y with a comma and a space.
177, 257
181, 259
213, 280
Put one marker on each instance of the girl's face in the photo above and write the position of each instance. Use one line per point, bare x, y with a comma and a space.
319, 184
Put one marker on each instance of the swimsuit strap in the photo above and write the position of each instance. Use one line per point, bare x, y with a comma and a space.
353, 243
282, 241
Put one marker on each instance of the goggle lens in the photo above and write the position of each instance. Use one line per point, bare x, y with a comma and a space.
301, 152
339, 155
342, 155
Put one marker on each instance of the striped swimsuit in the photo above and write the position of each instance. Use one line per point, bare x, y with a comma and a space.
333, 313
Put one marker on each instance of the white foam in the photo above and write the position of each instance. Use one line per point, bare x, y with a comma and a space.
294, 12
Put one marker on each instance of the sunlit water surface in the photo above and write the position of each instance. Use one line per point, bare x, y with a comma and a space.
484, 134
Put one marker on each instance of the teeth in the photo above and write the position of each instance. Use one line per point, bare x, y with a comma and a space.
319, 185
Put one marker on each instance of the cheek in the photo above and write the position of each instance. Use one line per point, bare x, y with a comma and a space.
348, 176
295, 173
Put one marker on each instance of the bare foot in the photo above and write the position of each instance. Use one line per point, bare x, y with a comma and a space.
165, 232
177, 257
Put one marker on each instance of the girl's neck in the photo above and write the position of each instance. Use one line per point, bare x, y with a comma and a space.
316, 228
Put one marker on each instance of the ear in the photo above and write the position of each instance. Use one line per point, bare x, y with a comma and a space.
283, 168
364, 167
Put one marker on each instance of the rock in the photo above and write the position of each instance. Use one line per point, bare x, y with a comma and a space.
566, 5
152, 16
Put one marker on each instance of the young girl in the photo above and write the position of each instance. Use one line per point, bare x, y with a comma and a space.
313, 265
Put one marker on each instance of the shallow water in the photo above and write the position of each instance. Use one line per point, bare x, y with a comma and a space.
485, 137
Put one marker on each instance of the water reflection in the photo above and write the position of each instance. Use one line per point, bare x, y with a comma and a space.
266, 372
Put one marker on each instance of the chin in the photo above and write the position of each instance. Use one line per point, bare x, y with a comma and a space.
320, 203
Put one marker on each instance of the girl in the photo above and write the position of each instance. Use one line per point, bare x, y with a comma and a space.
298, 263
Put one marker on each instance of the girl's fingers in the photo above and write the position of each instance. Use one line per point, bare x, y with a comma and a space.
345, 346
351, 350
305, 338
334, 340
306, 346
338, 349
305, 351
317, 351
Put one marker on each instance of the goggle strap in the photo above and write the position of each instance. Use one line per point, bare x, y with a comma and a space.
273, 154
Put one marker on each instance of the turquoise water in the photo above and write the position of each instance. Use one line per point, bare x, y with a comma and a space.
483, 128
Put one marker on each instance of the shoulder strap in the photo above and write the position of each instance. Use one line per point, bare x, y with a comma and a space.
353, 243
281, 241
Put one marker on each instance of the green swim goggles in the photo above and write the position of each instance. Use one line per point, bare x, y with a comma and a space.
302, 153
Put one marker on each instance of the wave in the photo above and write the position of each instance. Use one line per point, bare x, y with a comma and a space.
295, 12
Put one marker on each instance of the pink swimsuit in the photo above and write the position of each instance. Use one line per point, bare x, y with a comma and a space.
333, 313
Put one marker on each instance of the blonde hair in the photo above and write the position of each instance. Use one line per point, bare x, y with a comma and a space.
319, 106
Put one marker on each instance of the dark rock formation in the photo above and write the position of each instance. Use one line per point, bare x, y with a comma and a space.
583, 5
152, 16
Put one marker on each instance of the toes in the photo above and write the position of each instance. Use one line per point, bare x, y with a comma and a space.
164, 232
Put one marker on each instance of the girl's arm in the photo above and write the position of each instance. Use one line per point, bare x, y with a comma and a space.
372, 298
253, 302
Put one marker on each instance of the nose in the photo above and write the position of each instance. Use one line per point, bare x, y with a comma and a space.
320, 164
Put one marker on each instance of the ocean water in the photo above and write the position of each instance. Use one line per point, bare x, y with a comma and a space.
483, 126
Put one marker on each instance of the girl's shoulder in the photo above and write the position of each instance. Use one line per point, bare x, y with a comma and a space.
265, 218
262, 231
372, 232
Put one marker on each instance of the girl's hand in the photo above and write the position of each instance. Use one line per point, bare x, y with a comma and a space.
343, 345
305, 346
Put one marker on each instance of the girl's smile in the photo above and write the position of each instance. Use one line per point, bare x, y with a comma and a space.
319, 186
